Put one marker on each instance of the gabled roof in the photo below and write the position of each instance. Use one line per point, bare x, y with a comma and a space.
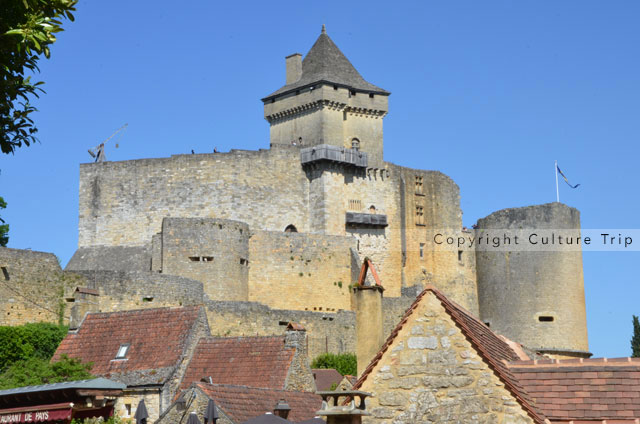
242, 403
326, 63
156, 337
494, 350
583, 390
325, 378
250, 361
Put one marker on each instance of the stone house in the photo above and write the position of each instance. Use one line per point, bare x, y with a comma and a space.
148, 350
441, 364
237, 404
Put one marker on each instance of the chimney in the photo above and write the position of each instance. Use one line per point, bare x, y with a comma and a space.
294, 67
369, 326
345, 411
282, 409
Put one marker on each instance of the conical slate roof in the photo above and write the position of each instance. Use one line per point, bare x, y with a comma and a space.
326, 63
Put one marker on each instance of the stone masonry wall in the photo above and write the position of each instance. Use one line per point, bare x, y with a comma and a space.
212, 251
431, 373
33, 287
300, 271
123, 203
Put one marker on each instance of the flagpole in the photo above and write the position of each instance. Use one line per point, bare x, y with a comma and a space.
557, 191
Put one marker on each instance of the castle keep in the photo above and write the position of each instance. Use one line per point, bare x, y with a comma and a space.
277, 235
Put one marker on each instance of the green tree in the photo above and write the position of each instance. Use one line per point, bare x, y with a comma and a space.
20, 343
36, 371
635, 340
344, 363
27, 29
4, 228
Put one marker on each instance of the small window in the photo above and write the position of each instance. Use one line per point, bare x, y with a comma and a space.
487, 323
459, 255
194, 258
545, 318
335, 87
243, 261
207, 259
419, 215
147, 299
371, 95
352, 93
355, 144
419, 185
291, 229
372, 209
127, 407
122, 351
421, 250
5, 273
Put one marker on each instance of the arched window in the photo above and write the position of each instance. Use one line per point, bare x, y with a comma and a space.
291, 229
372, 209
355, 144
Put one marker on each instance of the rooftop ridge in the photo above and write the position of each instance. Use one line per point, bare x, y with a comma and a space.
576, 362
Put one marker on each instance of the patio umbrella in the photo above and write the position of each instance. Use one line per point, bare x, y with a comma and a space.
141, 413
193, 419
211, 413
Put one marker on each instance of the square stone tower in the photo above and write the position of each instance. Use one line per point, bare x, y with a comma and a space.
326, 101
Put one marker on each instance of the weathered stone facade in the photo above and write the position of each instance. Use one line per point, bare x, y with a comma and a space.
431, 373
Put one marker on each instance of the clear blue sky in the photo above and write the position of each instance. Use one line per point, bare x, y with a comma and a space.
490, 93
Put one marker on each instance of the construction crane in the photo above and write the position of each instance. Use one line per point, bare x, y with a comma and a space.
98, 152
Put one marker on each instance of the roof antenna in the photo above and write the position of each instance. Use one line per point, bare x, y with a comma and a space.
324, 29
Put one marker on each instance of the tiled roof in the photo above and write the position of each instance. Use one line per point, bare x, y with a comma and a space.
157, 339
325, 378
326, 63
241, 403
583, 390
249, 361
494, 350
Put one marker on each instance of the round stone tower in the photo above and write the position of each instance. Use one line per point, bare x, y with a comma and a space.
213, 251
532, 292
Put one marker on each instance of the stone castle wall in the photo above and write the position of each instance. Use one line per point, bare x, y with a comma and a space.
534, 297
300, 271
124, 203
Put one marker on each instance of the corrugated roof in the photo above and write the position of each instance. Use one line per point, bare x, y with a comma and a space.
326, 63
583, 390
250, 361
242, 403
488, 345
95, 383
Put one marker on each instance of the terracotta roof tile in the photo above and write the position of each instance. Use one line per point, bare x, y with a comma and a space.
242, 403
489, 345
592, 389
249, 361
325, 378
157, 339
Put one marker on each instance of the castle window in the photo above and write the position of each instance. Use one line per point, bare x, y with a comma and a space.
291, 229
421, 250
355, 144
335, 87
372, 209
147, 299
122, 351
344, 115
419, 185
5, 273
487, 323
355, 205
243, 261
194, 258
545, 318
352, 93
371, 95
460, 255
419, 215
127, 407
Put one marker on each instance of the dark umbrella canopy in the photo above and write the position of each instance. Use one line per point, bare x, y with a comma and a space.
211, 414
141, 413
193, 419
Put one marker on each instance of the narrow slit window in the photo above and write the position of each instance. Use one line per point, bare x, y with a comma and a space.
545, 318
459, 255
5, 272
421, 250
194, 258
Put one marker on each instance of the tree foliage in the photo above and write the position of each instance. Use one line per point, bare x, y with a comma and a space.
344, 363
635, 340
4, 228
27, 29
28, 341
36, 371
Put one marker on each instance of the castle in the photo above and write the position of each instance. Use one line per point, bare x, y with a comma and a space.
262, 238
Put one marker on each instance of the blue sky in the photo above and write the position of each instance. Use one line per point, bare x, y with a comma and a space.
490, 93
